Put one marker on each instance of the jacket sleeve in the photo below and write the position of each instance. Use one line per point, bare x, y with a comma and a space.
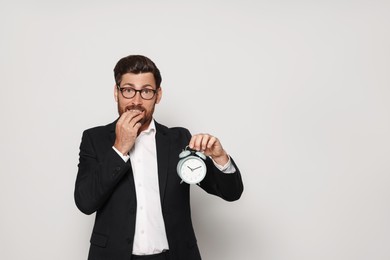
228, 186
98, 174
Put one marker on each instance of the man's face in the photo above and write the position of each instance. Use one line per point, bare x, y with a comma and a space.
138, 82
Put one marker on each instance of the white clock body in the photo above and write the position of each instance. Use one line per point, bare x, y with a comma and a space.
192, 168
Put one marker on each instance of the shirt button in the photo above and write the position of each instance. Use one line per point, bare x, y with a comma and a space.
142, 232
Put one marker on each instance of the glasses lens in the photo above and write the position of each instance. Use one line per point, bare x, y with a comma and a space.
128, 92
147, 93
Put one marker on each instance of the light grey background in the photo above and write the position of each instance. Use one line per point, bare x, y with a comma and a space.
297, 91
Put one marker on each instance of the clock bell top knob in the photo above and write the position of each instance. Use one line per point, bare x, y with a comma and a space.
184, 153
201, 155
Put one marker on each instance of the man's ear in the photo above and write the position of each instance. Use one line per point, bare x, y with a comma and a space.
116, 93
159, 95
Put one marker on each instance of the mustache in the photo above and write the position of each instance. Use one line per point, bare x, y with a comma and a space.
135, 107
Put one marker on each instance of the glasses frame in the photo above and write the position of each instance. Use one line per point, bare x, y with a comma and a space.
137, 91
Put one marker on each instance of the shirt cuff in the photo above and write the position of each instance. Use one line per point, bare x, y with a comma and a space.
124, 157
227, 168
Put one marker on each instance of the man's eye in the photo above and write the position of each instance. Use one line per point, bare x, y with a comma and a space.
128, 90
147, 91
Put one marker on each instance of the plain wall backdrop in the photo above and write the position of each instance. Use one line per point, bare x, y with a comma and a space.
297, 91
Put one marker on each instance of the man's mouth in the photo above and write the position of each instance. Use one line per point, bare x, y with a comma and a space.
134, 109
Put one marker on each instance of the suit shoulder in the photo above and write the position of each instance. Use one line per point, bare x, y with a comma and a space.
170, 130
179, 134
98, 130
173, 132
179, 129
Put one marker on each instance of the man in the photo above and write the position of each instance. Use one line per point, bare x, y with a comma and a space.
127, 175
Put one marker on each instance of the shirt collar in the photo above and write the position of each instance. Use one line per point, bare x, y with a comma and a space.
151, 128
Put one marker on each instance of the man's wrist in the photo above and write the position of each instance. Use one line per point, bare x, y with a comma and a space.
125, 157
228, 167
222, 159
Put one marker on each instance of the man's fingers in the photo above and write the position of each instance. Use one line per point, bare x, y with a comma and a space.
137, 126
196, 141
129, 118
133, 114
122, 118
201, 142
136, 120
210, 143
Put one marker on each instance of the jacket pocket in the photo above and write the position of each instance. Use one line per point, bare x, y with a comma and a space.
99, 240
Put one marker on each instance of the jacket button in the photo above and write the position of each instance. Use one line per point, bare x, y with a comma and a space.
118, 168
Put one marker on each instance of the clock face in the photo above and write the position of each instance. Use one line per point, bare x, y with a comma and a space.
192, 169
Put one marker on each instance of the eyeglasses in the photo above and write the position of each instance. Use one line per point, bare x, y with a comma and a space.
146, 93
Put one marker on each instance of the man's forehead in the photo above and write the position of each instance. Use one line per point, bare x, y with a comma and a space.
138, 77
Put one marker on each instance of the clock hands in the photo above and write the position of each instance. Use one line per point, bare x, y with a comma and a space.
194, 168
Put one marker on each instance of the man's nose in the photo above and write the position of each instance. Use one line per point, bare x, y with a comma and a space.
137, 99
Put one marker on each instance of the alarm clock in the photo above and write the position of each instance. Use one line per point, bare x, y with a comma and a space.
191, 167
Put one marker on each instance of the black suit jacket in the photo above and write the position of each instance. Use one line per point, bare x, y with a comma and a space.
105, 185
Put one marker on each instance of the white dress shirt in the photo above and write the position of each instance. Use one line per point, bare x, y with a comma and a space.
150, 237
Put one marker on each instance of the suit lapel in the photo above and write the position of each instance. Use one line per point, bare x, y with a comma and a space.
162, 147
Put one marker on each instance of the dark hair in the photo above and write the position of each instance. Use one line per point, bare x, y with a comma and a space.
136, 64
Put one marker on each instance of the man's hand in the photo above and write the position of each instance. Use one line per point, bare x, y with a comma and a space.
210, 146
127, 130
